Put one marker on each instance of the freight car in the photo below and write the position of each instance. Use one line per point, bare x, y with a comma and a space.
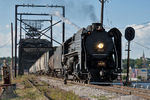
41, 65
55, 63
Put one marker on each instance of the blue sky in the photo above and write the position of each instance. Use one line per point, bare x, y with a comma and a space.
118, 13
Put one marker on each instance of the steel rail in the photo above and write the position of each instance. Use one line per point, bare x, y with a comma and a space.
145, 94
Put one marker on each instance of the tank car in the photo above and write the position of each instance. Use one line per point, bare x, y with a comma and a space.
90, 55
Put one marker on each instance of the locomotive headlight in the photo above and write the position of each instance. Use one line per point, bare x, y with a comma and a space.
100, 46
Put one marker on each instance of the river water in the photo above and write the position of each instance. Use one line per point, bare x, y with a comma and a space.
145, 85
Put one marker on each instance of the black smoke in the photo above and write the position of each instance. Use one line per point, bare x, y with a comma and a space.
89, 11
80, 9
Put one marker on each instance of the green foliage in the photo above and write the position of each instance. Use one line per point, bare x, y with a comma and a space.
28, 94
8, 60
139, 77
0, 77
27, 84
100, 97
57, 94
124, 77
139, 63
26, 91
124, 70
135, 63
132, 63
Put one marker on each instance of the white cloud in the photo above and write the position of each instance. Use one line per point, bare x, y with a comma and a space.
7, 26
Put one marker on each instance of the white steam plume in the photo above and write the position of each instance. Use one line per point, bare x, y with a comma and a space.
57, 13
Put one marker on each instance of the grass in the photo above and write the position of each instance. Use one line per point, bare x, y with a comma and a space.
25, 91
100, 97
55, 93
28, 94
58, 94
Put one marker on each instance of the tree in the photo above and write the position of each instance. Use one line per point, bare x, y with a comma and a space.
124, 77
124, 70
138, 63
139, 77
132, 63
8, 60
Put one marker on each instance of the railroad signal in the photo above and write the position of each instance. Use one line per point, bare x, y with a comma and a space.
129, 33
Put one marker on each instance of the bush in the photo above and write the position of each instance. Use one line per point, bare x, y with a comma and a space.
139, 77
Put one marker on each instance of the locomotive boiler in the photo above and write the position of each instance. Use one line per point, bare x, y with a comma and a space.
92, 55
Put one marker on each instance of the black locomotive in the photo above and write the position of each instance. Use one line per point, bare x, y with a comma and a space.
90, 55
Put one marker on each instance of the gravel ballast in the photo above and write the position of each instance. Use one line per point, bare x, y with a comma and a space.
88, 92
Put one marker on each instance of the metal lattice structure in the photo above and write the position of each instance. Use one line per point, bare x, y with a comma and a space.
32, 46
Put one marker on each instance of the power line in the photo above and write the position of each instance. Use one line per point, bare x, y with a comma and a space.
142, 27
141, 45
133, 26
144, 23
5, 44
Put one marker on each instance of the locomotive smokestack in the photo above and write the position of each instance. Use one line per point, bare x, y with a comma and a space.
102, 11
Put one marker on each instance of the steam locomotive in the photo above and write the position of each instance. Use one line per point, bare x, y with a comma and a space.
90, 55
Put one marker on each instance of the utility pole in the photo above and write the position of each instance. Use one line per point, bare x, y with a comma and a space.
16, 40
63, 26
51, 31
12, 63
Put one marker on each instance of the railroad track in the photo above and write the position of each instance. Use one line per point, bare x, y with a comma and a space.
124, 90
135, 91
35, 84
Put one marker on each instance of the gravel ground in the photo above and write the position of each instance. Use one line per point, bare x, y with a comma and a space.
88, 92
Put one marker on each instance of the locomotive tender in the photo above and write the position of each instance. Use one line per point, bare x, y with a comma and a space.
90, 55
